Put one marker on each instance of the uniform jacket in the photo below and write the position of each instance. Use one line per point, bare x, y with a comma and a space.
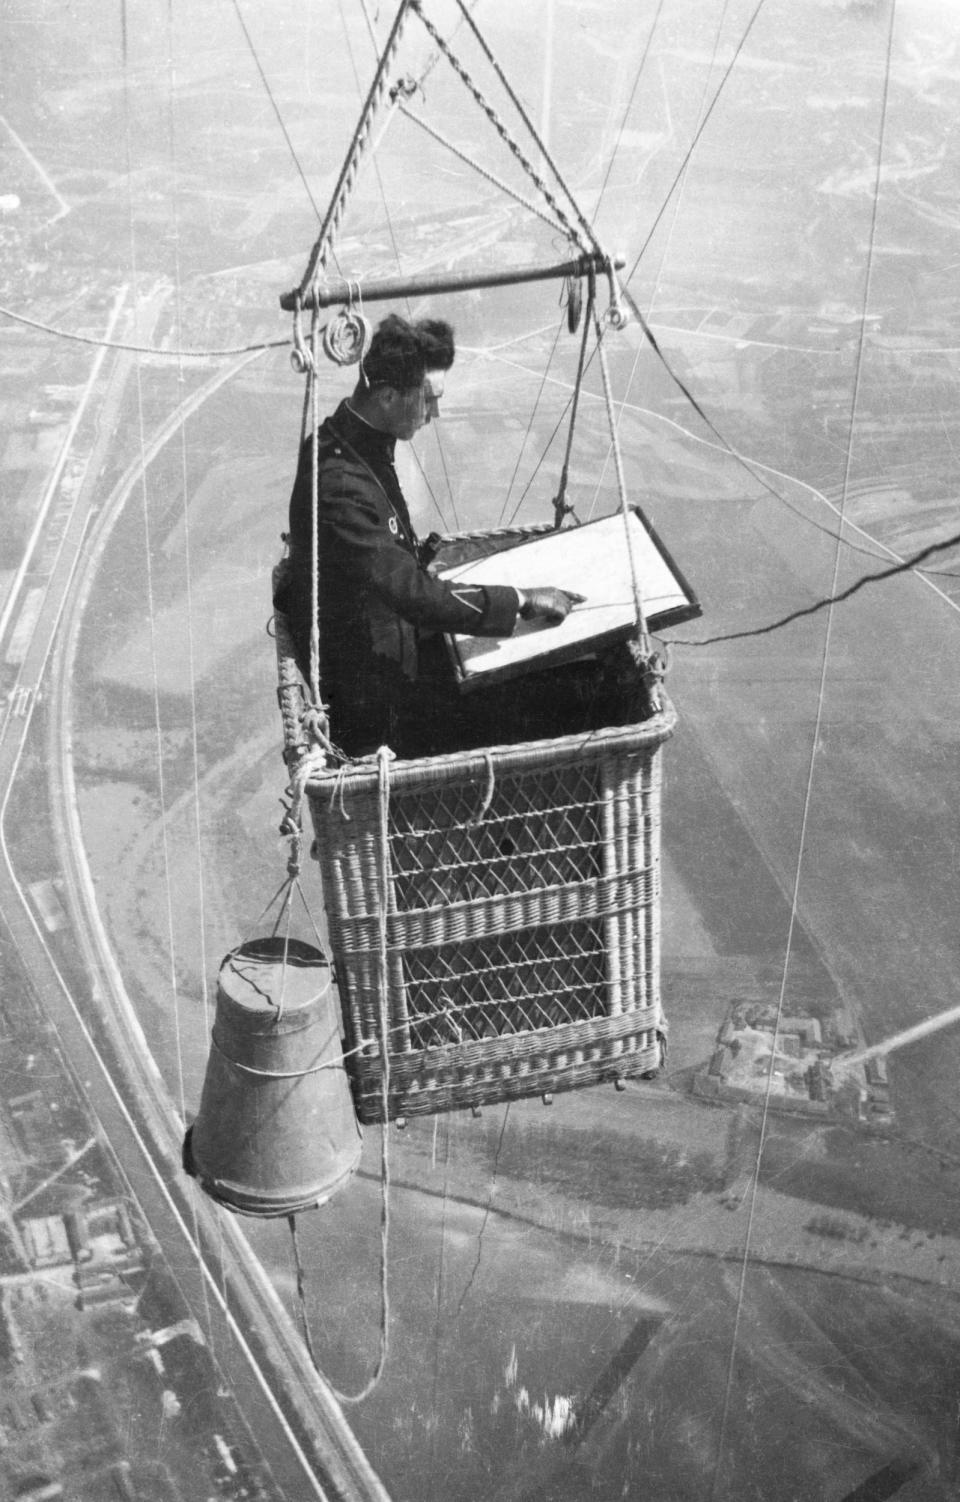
376, 599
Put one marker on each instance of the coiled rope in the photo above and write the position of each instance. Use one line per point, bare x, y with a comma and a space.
346, 337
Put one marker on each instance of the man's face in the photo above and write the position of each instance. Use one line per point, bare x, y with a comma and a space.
413, 409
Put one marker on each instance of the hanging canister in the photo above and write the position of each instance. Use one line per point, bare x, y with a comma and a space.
276, 1131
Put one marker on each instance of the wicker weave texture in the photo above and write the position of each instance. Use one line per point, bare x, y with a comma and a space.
522, 917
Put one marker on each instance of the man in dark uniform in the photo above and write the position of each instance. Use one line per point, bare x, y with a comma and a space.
379, 611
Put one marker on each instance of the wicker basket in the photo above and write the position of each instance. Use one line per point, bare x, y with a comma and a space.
520, 913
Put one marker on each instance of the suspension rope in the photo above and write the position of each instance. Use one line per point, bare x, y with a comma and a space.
276, 108
502, 131
679, 176
348, 172
490, 177
643, 638
587, 230
313, 387
740, 458
376, 165
401, 90
529, 428
808, 794
406, 87
752, 468
664, 250
629, 106
186, 533
560, 506
696, 138
451, 495
155, 678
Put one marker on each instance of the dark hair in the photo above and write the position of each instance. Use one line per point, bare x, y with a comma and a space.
401, 353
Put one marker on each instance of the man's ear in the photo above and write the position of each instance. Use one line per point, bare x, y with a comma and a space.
386, 398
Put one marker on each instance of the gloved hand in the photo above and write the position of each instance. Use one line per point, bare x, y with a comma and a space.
548, 604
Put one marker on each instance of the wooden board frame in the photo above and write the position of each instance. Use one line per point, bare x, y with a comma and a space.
560, 558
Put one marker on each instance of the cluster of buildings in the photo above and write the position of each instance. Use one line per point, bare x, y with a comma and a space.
107, 1387
785, 1063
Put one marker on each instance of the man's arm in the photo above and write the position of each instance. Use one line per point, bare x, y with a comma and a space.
355, 525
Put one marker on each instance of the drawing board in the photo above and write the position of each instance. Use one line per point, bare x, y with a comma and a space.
597, 560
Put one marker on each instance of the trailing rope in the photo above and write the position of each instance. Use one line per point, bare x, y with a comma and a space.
142, 349
298, 789
383, 771
302, 1294
750, 467
907, 565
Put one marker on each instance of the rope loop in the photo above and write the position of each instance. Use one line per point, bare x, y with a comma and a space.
346, 337
615, 316
488, 792
300, 356
574, 291
300, 361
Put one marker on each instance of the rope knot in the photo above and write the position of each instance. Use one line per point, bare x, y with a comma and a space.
315, 725
294, 863
561, 508
404, 88
289, 827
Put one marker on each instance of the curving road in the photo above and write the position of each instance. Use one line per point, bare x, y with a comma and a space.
290, 1411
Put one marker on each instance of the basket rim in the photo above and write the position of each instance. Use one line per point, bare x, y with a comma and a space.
325, 782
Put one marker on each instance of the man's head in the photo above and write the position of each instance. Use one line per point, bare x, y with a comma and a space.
403, 373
